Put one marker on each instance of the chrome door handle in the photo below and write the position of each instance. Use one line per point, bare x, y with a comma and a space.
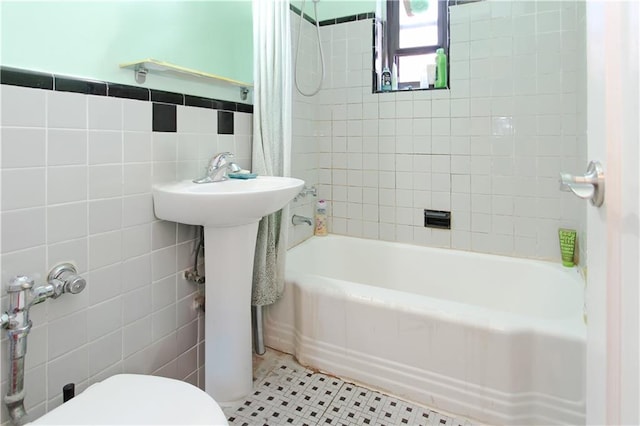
588, 186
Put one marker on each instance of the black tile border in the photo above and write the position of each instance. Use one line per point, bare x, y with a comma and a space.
461, 2
197, 101
127, 92
297, 12
342, 19
245, 108
86, 87
167, 97
47, 81
32, 79
225, 105
350, 18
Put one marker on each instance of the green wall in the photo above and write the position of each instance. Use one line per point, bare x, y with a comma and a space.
328, 9
90, 38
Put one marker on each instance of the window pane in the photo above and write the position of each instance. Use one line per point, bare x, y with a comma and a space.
411, 68
419, 27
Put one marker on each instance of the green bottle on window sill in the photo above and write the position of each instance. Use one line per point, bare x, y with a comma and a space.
441, 69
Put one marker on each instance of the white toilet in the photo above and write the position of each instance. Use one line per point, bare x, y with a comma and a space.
135, 400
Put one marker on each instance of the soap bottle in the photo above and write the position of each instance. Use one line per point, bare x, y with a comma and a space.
321, 218
394, 77
424, 79
385, 82
441, 69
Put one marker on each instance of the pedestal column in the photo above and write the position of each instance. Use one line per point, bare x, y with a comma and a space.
229, 253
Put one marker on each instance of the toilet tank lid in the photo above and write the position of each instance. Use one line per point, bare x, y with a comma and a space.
138, 399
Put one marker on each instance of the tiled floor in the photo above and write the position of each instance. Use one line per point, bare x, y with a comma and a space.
286, 393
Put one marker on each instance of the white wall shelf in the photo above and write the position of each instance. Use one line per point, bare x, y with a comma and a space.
145, 66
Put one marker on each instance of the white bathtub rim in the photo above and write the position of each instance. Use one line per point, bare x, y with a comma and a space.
573, 273
568, 279
571, 327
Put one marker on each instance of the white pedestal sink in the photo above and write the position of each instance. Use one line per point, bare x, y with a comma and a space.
230, 212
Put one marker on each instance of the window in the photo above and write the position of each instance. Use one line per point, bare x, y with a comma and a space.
407, 34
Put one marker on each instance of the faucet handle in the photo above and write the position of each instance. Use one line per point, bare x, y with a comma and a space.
222, 156
74, 284
218, 160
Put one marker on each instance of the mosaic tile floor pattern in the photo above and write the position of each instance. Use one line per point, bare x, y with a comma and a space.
292, 395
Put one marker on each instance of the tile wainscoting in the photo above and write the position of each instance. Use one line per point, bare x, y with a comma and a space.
77, 165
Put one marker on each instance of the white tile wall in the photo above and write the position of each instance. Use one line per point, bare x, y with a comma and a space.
307, 139
76, 182
489, 149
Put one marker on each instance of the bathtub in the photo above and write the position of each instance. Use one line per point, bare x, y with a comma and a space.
496, 339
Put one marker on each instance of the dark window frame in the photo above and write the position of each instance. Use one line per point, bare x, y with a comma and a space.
392, 39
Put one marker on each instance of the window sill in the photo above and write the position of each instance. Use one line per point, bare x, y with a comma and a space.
409, 89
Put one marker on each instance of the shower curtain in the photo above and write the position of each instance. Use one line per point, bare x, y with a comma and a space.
271, 137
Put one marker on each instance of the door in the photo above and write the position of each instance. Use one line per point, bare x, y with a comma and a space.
613, 331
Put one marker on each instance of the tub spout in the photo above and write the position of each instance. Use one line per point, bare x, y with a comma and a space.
299, 220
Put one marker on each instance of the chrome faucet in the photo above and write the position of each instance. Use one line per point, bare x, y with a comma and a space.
218, 169
22, 296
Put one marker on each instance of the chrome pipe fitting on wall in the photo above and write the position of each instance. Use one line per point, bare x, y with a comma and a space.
22, 296
18, 326
66, 279
306, 190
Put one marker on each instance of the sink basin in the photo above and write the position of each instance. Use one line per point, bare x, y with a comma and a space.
230, 212
228, 203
